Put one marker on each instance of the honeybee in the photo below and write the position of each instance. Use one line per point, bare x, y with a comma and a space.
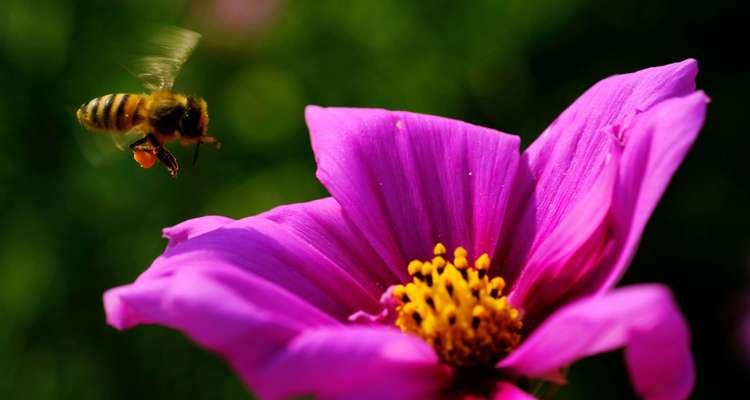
160, 117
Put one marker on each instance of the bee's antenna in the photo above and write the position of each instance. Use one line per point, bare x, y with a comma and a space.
195, 155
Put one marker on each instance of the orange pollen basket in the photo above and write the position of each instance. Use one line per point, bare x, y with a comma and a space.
144, 158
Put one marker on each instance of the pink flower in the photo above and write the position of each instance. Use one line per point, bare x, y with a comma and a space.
314, 298
239, 18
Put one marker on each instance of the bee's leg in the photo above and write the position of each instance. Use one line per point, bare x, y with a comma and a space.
210, 139
168, 160
143, 144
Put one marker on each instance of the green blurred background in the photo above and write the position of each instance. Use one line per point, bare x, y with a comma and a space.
76, 219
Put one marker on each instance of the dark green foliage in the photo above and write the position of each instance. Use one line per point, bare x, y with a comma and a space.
79, 217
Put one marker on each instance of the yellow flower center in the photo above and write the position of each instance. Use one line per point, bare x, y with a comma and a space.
458, 310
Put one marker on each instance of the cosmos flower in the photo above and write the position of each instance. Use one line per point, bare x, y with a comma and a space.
445, 263
235, 18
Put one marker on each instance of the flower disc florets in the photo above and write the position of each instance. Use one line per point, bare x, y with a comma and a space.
458, 309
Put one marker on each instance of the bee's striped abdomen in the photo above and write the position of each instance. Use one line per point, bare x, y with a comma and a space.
113, 112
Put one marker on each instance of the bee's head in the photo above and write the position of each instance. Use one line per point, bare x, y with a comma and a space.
194, 122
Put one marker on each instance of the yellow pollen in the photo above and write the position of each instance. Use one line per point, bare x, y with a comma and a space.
439, 250
458, 309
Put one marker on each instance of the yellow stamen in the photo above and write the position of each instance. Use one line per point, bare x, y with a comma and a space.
439, 250
458, 309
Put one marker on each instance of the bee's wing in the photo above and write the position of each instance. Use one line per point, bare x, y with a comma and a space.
123, 139
97, 147
164, 55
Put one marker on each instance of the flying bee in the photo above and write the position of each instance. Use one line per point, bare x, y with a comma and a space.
160, 117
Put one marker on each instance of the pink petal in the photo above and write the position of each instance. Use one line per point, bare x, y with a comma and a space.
563, 163
408, 181
219, 307
352, 362
192, 228
325, 228
508, 391
309, 249
643, 319
572, 252
247, 288
656, 142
